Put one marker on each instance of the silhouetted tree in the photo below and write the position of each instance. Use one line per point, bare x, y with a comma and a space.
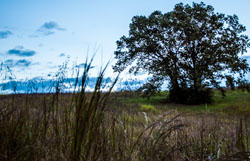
243, 84
192, 46
150, 88
230, 83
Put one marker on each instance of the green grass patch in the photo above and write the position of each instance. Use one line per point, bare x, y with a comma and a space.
146, 108
235, 102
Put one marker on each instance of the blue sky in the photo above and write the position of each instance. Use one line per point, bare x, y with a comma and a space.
38, 35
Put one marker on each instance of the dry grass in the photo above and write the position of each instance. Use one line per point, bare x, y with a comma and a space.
97, 126
33, 128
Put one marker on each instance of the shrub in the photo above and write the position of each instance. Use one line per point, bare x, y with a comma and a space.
190, 96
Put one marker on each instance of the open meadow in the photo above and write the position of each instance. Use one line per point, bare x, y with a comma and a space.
123, 126
124, 80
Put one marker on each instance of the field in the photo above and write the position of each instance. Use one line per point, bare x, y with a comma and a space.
122, 126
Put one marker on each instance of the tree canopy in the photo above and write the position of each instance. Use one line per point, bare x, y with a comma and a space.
192, 46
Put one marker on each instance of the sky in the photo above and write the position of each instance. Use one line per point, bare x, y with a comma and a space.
38, 35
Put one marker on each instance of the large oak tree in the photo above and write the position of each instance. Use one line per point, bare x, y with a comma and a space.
192, 46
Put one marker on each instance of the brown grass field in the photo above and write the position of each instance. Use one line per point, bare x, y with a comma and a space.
122, 126
94, 126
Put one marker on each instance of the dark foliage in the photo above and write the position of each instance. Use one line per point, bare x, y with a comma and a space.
189, 96
243, 85
192, 47
150, 88
230, 82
